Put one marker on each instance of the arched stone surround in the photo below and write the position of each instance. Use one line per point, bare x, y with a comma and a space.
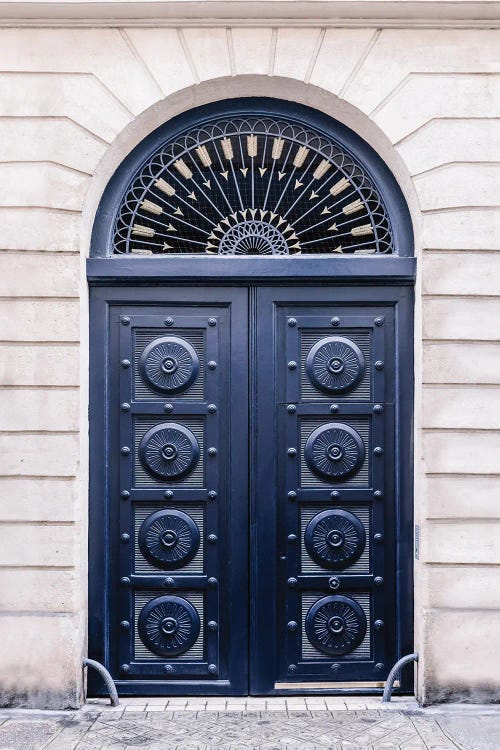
67, 121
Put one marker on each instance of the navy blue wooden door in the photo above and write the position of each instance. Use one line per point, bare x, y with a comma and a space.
331, 497
169, 500
283, 410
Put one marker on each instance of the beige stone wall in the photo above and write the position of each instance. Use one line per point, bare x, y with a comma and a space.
72, 103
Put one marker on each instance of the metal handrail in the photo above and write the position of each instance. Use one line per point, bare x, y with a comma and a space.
394, 673
113, 694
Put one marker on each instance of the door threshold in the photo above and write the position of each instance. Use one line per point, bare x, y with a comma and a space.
305, 686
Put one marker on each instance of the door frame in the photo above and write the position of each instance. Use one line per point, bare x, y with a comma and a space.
388, 279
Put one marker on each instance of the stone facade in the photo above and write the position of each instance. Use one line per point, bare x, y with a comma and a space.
73, 102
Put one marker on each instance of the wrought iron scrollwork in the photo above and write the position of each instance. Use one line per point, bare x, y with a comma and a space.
252, 185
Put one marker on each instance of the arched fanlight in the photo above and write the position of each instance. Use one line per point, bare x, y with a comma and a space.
252, 185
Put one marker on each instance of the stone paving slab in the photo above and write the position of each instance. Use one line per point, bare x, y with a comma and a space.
152, 726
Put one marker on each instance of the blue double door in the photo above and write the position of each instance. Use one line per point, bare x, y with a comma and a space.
250, 518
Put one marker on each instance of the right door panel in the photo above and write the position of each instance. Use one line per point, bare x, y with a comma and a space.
336, 506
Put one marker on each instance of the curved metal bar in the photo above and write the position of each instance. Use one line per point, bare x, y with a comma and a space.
113, 694
393, 674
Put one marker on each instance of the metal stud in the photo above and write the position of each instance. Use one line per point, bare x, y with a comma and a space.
379, 666
125, 321
169, 321
213, 582
378, 409
334, 583
212, 495
292, 365
124, 494
125, 581
378, 624
212, 322
125, 407
378, 451
212, 538
292, 452
168, 494
125, 363
292, 625
292, 581
212, 365
379, 365
378, 581
292, 537
211, 408
334, 408
125, 668
378, 494
335, 321
335, 667
125, 625
212, 669
125, 451
379, 321
168, 408
292, 495
169, 668
292, 667
292, 322
335, 494
168, 582
212, 452
212, 625
379, 538
291, 408
125, 537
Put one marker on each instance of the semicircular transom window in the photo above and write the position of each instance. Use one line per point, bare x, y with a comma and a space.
252, 185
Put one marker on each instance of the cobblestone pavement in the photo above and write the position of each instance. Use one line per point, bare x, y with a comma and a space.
277, 724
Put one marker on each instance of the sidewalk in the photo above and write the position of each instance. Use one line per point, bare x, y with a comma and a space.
314, 723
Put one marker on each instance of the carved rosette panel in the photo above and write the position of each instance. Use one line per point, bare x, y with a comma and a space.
335, 625
169, 451
168, 625
335, 364
335, 538
169, 538
334, 451
169, 364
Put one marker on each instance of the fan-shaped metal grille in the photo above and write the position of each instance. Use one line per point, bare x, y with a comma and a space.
252, 186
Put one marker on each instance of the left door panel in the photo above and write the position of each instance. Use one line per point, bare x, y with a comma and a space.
168, 495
